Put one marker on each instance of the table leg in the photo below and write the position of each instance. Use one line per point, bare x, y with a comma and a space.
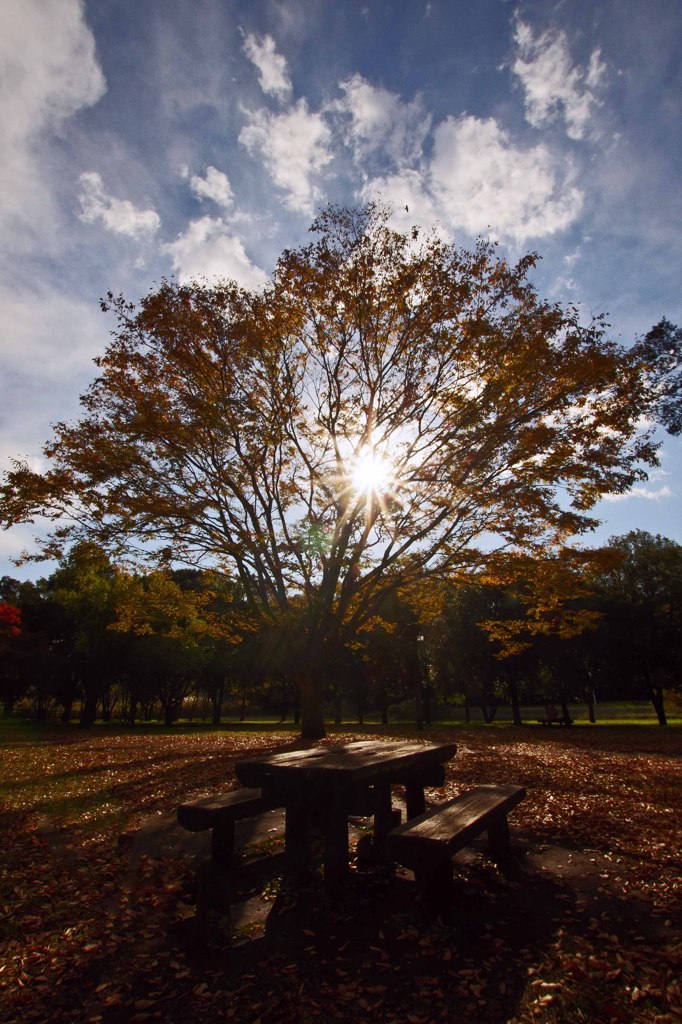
335, 833
296, 839
385, 818
414, 798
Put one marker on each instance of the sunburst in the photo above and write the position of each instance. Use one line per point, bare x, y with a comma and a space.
372, 474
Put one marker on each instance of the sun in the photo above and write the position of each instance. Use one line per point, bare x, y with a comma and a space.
372, 474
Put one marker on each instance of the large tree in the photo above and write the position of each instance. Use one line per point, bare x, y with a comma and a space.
387, 406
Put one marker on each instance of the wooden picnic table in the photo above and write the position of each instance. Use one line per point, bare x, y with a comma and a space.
327, 784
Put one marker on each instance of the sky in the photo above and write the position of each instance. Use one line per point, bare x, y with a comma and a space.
199, 138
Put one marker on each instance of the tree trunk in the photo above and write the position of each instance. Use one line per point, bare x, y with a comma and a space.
418, 713
215, 709
427, 704
360, 697
193, 707
589, 700
312, 710
383, 704
488, 711
217, 695
657, 699
513, 690
88, 714
108, 702
41, 712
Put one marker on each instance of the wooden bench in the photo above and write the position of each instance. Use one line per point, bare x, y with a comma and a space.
562, 720
427, 843
220, 813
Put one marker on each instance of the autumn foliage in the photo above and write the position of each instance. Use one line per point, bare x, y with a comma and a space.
99, 927
10, 620
389, 406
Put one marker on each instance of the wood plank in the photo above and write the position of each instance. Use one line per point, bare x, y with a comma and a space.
436, 835
198, 815
364, 762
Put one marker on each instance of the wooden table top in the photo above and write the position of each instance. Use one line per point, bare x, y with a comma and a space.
365, 761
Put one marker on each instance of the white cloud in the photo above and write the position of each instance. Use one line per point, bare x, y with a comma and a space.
554, 87
48, 333
381, 121
272, 67
50, 71
294, 146
117, 215
406, 193
475, 179
641, 492
482, 181
48, 340
208, 249
215, 186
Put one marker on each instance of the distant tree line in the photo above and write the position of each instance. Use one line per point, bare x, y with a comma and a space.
93, 641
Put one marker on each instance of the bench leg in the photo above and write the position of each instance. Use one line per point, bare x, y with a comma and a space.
222, 843
498, 839
211, 922
371, 849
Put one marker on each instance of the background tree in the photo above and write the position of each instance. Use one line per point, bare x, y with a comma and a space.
171, 618
385, 403
39, 665
641, 628
661, 351
542, 625
10, 629
10, 622
388, 649
464, 657
86, 586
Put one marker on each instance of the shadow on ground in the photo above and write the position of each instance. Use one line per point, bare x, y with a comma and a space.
265, 953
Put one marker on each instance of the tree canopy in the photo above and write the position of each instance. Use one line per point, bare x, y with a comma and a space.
641, 602
661, 350
388, 406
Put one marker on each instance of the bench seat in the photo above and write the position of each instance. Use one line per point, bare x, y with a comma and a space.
219, 812
427, 843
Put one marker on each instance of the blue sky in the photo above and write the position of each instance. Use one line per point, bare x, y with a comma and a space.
199, 138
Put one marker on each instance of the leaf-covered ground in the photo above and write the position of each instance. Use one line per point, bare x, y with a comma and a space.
95, 928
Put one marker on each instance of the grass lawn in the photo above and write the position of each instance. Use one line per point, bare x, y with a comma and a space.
95, 929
